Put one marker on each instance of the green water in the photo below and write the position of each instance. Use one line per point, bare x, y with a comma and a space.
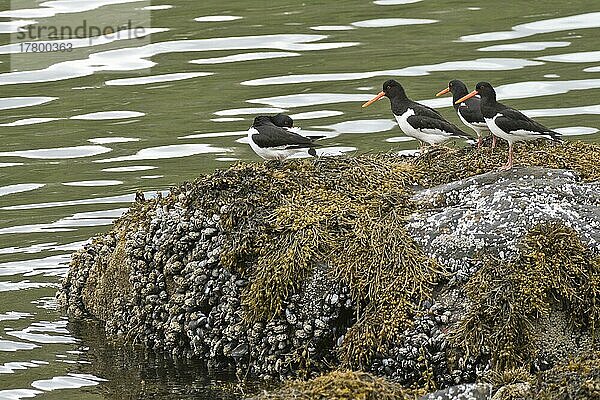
64, 179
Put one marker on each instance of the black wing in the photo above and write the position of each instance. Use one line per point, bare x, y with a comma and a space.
423, 110
471, 110
273, 136
426, 122
511, 120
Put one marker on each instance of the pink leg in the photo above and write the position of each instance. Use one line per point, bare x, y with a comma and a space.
479, 140
493, 142
509, 164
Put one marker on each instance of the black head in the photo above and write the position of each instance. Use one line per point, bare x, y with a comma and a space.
282, 120
262, 120
457, 88
393, 89
486, 90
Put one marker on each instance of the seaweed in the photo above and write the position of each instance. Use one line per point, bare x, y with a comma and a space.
340, 385
553, 270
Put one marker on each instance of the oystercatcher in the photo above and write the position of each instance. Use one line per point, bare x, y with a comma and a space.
468, 111
417, 120
272, 142
508, 123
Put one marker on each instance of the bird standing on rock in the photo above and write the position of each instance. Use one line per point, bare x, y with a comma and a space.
417, 120
273, 142
469, 111
508, 123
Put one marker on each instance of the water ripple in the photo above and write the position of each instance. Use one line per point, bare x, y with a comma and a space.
102, 115
388, 22
579, 57
580, 21
145, 80
525, 46
58, 153
310, 99
480, 64
217, 18
19, 188
135, 58
244, 57
17, 102
170, 151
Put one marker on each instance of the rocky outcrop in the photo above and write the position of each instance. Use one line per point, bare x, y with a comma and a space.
432, 271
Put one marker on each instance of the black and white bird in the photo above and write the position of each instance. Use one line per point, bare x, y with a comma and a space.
417, 120
469, 111
508, 123
274, 142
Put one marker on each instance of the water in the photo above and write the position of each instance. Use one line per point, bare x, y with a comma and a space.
81, 132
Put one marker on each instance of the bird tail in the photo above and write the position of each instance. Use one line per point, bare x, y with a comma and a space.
555, 136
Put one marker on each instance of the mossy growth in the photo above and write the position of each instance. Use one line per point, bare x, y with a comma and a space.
554, 270
348, 213
577, 378
446, 165
340, 385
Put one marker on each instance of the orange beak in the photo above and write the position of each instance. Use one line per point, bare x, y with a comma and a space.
442, 92
374, 99
473, 93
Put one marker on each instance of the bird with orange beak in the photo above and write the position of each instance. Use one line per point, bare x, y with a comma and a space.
508, 123
469, 111
417, 120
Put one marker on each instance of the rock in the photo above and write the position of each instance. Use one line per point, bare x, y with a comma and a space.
165, 275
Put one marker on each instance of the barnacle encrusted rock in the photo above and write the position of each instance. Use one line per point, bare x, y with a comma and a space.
433, 271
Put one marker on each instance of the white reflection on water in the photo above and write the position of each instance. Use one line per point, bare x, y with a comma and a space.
581, 21
217, 18
213, 135
394, 2
58, 153
10, 164
361, 126
14, 316
316, 114
132, 168
71, 381
480, 64
9, 286
30, 121
45, 332
249, 111
9, 345
170, 151
310, 99
579, 57
245, 57
15, 26
576, 130
19, 188
18, 394
388, 22
17, 102
134, 58
102, 115
125, 34
555, 112
52, 8
113, 139
332, 28
95, 183
145, 80
525, 46
158, 7
592, 69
